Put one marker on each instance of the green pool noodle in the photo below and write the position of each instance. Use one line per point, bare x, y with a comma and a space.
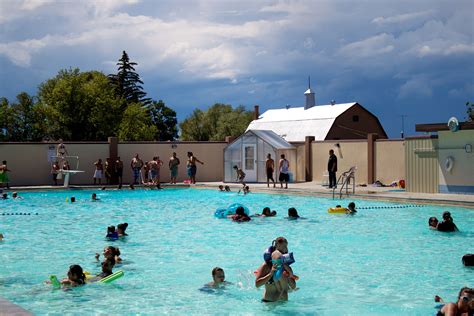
54, 281
112, 277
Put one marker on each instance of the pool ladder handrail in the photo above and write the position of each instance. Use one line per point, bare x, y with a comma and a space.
346, 179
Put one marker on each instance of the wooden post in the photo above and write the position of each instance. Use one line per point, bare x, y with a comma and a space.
308, 156
113, 154
371, 137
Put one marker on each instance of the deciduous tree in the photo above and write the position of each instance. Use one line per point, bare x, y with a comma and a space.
164, 118
80, 106
136, 124
216, 123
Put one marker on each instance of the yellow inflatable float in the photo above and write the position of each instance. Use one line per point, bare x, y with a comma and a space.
338, 210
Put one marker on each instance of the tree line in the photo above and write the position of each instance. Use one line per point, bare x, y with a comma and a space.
91, 106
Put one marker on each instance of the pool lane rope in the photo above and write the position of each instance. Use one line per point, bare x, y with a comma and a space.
7, 214
387, 207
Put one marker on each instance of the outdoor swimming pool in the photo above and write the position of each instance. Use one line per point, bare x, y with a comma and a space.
380, 261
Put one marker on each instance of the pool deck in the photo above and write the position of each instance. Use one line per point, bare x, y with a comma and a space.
364, 193
313, 189
10, 309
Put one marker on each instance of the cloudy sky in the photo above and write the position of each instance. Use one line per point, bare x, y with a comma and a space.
405, 57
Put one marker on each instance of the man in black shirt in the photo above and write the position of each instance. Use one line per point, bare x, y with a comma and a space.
332, 168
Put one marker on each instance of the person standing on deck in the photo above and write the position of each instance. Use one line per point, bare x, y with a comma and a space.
332, 169
270, 168
173, 165
4, 179
136, 164
284, 166
192, 168
119, 170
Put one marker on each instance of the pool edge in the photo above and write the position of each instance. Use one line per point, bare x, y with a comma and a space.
9, 308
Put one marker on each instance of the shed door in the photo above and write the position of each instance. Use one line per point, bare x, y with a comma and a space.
250, 162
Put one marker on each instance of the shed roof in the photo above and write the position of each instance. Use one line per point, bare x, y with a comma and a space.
271, 138
294, 124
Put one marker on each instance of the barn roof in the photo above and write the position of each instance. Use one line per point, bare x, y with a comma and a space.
294, 124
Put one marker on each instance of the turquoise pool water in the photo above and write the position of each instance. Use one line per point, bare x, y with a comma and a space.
380, 261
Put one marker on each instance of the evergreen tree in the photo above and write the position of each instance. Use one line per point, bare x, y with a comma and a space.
165, 121
127, 82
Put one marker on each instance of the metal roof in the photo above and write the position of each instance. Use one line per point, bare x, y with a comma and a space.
271, 138
294, 124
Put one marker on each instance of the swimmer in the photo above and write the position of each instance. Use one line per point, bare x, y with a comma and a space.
447, 225
227, 188
464, 305
433, 223
351, 208
121, 229
94, 197
103, 188
267, 213
245, 189
75, 276
111, 233
1, 236
110, 252
218, 278
73, 199
16, 196
4, 196
107, 266
293, 213
221, 188
468, 260
240, 215
275, 290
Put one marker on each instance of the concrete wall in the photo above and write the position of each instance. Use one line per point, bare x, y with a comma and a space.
389, 160
461, 177
211, 153
421, 158
30, 166
349, 154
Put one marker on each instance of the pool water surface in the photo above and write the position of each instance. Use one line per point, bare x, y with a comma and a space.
382, 260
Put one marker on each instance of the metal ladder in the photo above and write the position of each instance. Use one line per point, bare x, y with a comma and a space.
346, 179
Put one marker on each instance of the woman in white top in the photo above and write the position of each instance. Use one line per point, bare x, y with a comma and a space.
284, 166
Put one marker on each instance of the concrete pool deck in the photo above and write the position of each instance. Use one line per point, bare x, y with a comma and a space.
310, 188
10, 309
370, 193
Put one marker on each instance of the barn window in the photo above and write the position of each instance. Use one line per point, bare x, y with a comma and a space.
355, 118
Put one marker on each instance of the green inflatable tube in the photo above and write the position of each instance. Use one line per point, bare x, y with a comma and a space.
112, 277
54, 281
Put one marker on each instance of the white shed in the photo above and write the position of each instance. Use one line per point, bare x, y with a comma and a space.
249, 152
